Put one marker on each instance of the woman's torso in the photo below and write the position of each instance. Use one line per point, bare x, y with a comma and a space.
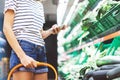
28, 21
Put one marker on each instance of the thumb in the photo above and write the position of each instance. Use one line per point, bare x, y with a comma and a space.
64, 27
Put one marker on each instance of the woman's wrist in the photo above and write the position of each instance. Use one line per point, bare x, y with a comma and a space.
50, 31
21, 55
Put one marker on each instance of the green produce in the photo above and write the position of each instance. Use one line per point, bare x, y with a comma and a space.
114, 46
86, 23
104, 9
108, 60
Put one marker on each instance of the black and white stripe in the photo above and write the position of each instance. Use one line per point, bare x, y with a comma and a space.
28, 21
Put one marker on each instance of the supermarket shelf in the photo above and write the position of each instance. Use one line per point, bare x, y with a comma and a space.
88, 33
110, 36
106, 25
88, 10
107, 32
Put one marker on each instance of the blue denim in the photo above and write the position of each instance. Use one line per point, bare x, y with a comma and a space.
35, 51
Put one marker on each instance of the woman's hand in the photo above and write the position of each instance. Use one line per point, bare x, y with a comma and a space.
28, 62
53, 30
56, 29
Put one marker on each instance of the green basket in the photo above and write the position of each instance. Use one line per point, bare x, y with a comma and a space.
116, 15
101, 27
92, 33
98, 28
106, 22
92, 2
111, 18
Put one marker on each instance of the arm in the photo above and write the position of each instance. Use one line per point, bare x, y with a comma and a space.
7, 29
9, 34
53, 30
46, 33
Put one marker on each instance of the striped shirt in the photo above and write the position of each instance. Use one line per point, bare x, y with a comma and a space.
28, 20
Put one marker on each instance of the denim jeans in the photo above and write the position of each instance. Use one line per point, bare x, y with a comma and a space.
37, 52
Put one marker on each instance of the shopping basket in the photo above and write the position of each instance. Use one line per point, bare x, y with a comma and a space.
39, 64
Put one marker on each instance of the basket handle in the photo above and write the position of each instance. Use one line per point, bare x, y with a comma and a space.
39, 64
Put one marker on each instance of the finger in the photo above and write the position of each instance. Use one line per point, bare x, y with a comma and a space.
58, 29
30, 65
64, 26
25, 64
35, 63
53, 29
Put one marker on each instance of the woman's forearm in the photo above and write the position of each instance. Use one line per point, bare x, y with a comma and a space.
46, 33
13, 42
53, 30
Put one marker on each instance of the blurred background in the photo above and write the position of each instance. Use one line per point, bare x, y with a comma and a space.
89, 49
